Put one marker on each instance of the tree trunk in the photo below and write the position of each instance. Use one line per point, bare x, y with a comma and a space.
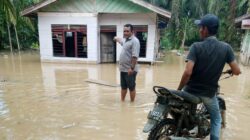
1, 41
248, 9
231, 28
175, 24
175, 11
17, 39
184, 36
183, 39
8, 27
232, 10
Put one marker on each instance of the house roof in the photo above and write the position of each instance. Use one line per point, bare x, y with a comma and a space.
152, 7
35, 8
239, 19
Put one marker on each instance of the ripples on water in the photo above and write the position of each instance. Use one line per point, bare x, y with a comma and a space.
53, 101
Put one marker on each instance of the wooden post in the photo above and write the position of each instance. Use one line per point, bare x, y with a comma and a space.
75, 44
64, 50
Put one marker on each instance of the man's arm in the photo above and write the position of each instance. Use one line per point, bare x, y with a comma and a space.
191, 58
135, 55
119, 40
186, 74
232, 62
133, 63
235, 68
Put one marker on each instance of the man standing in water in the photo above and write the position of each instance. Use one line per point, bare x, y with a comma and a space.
128, 61
205, 63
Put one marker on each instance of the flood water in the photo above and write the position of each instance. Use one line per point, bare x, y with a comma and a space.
49, 101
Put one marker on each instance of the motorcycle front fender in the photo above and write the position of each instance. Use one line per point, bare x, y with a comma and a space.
154, 117
222, 103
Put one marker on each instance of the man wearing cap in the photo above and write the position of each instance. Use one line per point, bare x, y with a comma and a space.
205, 63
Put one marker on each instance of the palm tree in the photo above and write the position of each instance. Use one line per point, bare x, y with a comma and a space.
19, 4
161, 3
11, 11
175, 23
243, 3
9, 15
187, 30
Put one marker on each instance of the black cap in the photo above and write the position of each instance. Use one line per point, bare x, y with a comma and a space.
209, 20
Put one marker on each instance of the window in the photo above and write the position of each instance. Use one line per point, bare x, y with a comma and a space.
141, 32
69, 40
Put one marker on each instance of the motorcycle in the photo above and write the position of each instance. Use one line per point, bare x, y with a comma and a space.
173, 117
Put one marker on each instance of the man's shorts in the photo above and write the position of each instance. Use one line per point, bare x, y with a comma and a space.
128, 81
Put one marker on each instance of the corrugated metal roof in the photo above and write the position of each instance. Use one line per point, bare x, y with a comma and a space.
239, 19
120, 6
94, 6
86, 6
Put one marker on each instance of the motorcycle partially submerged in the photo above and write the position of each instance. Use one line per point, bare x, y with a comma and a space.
173, 117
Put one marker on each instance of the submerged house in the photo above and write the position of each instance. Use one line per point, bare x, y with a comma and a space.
244, 23
83, 30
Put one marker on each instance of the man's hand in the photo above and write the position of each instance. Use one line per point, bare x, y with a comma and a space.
130, 71
117, 39
133, 63
235, 68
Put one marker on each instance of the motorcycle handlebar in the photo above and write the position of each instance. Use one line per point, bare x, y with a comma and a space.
230, 72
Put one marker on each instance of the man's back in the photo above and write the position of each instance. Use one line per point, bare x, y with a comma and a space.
205, 63
209, 57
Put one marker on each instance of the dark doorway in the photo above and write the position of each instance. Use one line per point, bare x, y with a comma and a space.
70, 44
141, 32
107, 44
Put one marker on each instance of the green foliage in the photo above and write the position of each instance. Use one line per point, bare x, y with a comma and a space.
182, 30
226, 11
166, 4
26, 31
35, 46
166, 43
8, 11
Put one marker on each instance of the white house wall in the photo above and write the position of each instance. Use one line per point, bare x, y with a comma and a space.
45, 20
245, 49
135, 19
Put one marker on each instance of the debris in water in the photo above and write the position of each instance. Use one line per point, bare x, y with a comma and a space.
178, 53
68, 125
144, 105
100, 82
5, 56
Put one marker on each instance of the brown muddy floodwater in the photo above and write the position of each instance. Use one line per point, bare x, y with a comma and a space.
49, 101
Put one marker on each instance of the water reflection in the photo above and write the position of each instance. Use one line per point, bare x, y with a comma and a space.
53, 101
3, 107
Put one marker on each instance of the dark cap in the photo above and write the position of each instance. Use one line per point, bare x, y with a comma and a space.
209, 20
